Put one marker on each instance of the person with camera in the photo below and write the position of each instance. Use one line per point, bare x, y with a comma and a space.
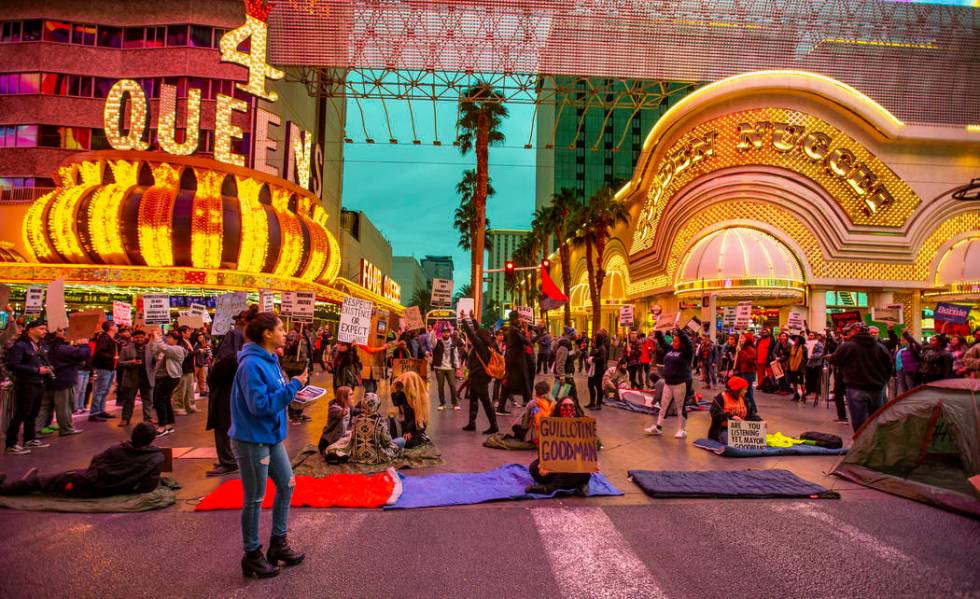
27, 362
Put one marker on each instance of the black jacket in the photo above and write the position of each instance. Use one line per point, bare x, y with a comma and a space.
864, 363
106, 350
119, 470
481, 351
221, 378
677, 362
719, 416
24, 360
65, 360
440, 349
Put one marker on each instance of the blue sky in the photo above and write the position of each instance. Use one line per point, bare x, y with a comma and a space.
409, 191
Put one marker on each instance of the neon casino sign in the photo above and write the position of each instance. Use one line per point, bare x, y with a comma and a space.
301, 153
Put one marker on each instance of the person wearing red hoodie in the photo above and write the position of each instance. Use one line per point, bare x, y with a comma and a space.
765, 347
745, 367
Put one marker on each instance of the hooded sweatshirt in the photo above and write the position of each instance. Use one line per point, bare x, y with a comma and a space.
259, 397
864, 363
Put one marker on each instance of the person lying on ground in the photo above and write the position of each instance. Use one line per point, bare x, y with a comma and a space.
410, 394
729, 405
130, 467
547, 482
370, 439
339, 416
530, 421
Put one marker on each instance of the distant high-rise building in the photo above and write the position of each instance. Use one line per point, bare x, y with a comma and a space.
407, 272
437, 267
503, 243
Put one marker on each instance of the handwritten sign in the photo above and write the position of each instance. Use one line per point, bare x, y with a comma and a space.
413, 319
35, 300
464, 306
888, 315
194, 321
568, 445
57, 316
227, 308
355, 321
626, 316
526, 313
267, 301
728, 317
745, 434
304, 303
122, 313
795, 321
82, 325
442, 292
156, 308
743, 315
400, 367
666, 321
694, 325
842, 319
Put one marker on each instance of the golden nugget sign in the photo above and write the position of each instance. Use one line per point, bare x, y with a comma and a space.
300, 151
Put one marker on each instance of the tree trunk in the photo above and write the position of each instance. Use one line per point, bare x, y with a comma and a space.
594, 292
480, 203
600, 250
566, 279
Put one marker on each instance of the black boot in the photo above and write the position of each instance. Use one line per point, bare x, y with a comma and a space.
470, 427
280, 551
255, 564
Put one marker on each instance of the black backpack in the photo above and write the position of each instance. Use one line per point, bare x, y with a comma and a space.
823, 439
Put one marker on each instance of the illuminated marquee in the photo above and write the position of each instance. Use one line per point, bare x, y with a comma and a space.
392, 290
370, 278
302, 159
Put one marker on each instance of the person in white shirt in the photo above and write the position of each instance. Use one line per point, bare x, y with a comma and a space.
446, 361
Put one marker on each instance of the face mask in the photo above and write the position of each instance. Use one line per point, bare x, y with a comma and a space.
567, 411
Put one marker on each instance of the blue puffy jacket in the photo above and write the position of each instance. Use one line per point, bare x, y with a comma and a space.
259, 397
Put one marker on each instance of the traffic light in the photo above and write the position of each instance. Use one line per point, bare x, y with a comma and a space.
509, 270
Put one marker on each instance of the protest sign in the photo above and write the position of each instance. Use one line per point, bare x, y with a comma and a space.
267, 301
442, 292
304, 303
355, 321
82, 325
34, 302
413, 319
626, 316
122, 313
743, 315
288, 302
666, 321
464, 306
568, 445
694, 325
842, 319
4, 296
56, 314
526, 313
400, 367
728, 317
156, 308
746, 434
194, 321
795, 322
887, 315
227, 308
777, 369
953, 313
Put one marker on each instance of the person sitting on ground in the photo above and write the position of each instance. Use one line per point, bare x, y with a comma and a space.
370, 439
729, 405
410, 394
339, 416
530, 421
130, 467
616, 377
547, 482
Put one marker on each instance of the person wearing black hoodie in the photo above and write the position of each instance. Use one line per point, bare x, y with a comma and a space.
676, 374
600, 360
64, 358
479, 380
865, 367
133, 466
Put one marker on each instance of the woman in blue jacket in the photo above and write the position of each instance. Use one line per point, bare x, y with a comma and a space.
259, 397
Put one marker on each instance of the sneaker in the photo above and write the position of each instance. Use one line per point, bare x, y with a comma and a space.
107, 415
48, 430
654, 429
164, 431
220, 470
441, 408
36, 443
681, 434
96, 419
17, 450
457, 408
69, 432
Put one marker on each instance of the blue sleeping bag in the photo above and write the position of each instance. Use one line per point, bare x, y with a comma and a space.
731, 452
736, 484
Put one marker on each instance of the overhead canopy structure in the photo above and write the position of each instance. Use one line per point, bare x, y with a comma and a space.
917, 59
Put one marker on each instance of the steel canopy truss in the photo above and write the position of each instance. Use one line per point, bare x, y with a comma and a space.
921, 61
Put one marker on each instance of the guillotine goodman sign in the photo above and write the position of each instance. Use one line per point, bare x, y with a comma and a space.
568, 445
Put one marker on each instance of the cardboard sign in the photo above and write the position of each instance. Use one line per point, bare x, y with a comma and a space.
743, 316
194, 321
4, 296
82, 325
200, 310
122, 313
953, 313
568, 445
666, 321
777, 369
526, 313
842, 319
442, 292
400, 367
413, 319
888, 315
156, 308
227, 307
57, 316
304, 303
694, 325
267, 301
728, 317
355, 321
745, 434
626, 316
795, 322
34, 302
464, 306
288, 301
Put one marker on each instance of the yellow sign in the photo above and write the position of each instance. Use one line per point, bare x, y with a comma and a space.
568, 445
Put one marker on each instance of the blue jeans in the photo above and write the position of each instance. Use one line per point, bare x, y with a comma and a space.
103, 382
399, 441
257, 462
78, 398
863, 404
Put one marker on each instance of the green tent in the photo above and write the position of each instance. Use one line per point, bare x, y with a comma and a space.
924, 445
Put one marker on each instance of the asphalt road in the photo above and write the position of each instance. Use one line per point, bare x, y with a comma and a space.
867, 544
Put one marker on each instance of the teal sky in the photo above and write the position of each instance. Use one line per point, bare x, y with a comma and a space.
409, 191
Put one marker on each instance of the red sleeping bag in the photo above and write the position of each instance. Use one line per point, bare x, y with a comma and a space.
336, 490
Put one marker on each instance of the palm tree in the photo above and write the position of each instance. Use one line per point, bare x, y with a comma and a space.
422, 299
481, 113
596, 220
560, 217
464, 291
464, 219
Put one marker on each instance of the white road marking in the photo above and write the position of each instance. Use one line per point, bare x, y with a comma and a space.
590, 558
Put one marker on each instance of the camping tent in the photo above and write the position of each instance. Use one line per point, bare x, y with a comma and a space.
924, 445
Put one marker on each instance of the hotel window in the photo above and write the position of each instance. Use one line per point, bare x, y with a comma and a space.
133, 37
201, 36
176, 35
32, 31
57, 31
83, 35
18, 136
110, 37
10, 32
156, 37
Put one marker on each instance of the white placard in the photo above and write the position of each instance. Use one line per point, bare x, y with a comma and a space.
442, 292
666, 321
122, 313
888, 315
55, 300
288, 301
464, 306
355, 321
743, 315
728, 316
413, 319
304, 303
746, 434
34, 303
626, 316
227, 307
694, 325
526, 313
156, 308
267, 301
795, 321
